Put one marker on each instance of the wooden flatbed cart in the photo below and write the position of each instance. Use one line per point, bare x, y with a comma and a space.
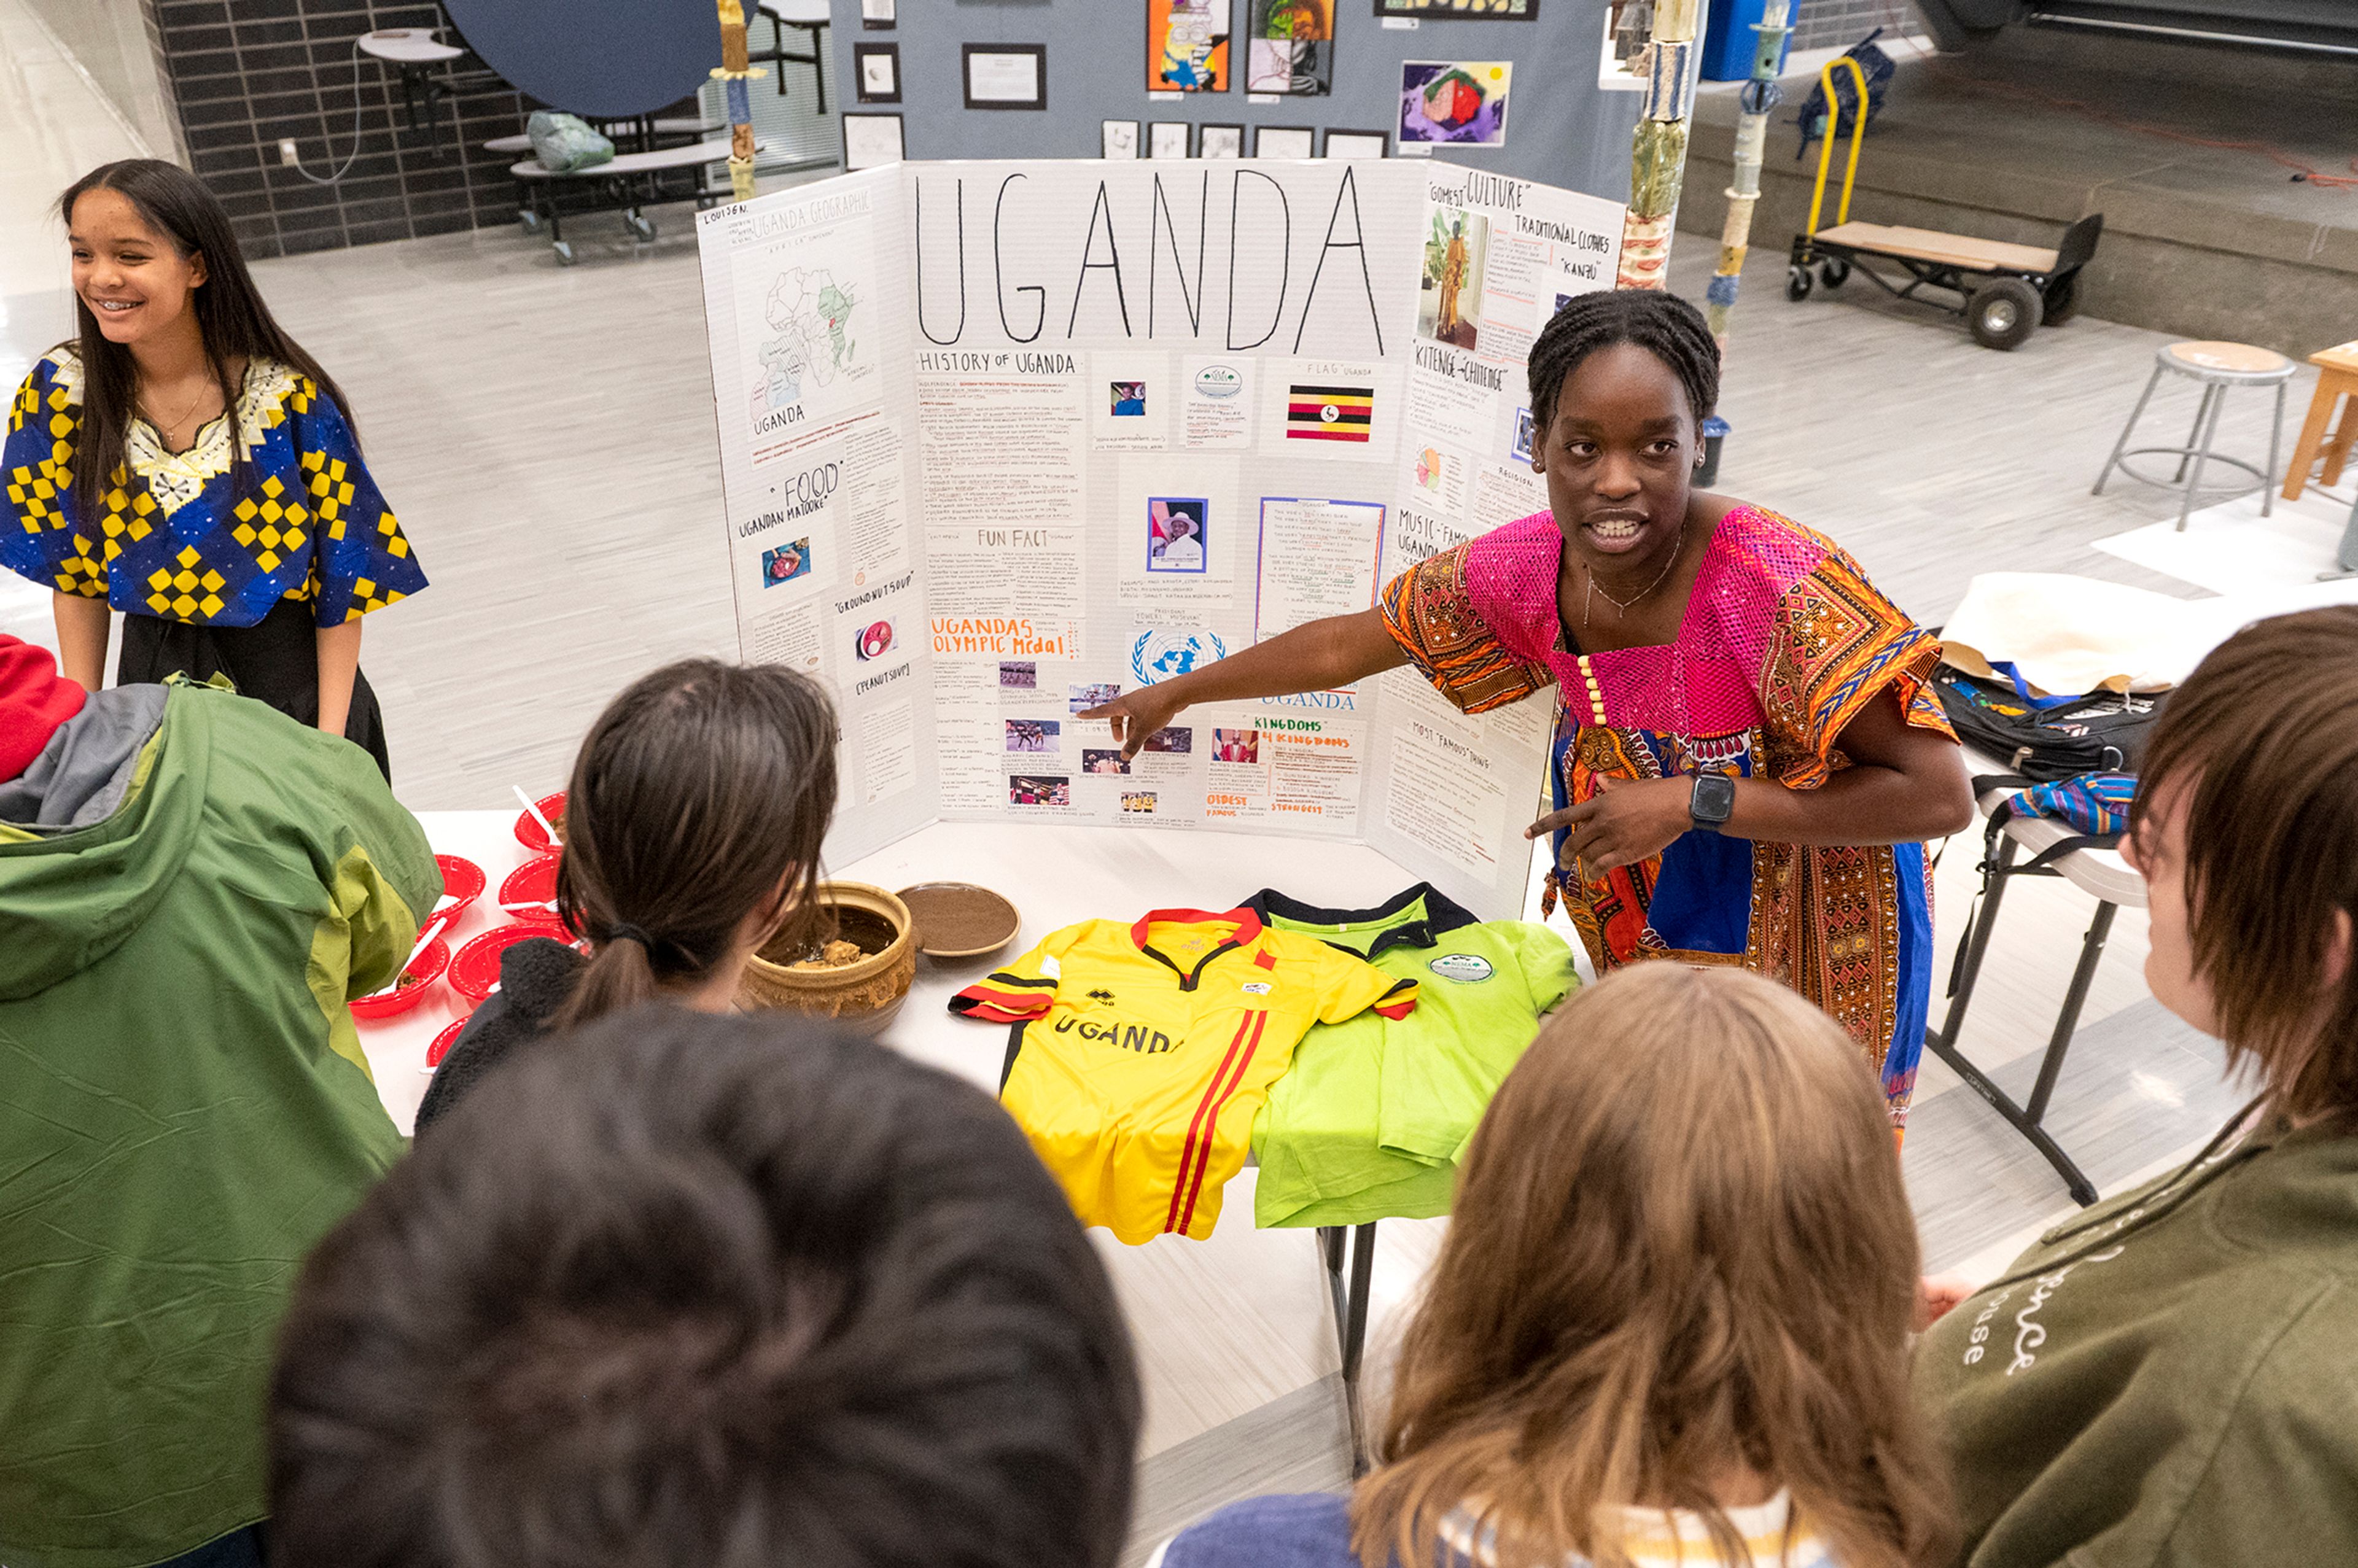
2005, 291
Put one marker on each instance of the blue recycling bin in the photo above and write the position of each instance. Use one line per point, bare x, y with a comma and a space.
1729, 41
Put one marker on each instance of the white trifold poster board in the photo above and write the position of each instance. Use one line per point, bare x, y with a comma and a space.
1000, 439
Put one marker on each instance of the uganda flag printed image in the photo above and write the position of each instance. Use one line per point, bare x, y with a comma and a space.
1329, 413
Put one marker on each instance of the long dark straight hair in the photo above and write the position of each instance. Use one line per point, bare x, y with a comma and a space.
231, 318
696, 791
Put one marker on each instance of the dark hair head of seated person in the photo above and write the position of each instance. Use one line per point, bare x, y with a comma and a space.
1680, 1256
700, 796
1662, 324
693, 1291
2245, 827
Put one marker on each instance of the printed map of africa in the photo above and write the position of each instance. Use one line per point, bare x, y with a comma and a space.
811, 314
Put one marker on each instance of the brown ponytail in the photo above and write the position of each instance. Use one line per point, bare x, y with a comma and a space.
699, 790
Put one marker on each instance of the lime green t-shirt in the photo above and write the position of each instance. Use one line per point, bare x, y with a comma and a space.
1371, 1118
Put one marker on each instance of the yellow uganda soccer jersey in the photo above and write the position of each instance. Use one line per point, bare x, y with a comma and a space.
1142, 1052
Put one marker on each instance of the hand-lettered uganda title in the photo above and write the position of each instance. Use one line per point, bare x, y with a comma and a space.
1148, 264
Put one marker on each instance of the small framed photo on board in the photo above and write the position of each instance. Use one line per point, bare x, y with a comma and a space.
879, 14
1220, 141
871, 141
877, 72
1118, 139
1167, 139
1006, 75
1358, 144
1462, 10
1283, 141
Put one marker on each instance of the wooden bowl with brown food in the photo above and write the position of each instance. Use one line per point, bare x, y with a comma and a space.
859, 977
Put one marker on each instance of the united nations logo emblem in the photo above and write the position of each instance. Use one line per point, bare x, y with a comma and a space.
1164, 655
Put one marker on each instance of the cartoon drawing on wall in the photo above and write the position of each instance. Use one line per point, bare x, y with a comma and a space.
1118, 139
1460, 103
1186, 46
1449, 294
1290, 48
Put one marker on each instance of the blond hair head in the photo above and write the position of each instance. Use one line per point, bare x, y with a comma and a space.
1681, 1254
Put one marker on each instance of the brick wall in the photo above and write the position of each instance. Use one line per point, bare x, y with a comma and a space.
1838, 24
245, 73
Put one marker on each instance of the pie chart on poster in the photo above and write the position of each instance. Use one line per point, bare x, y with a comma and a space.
597, 59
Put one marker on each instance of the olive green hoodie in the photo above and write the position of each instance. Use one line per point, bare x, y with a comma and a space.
186, 1109
2172, 1376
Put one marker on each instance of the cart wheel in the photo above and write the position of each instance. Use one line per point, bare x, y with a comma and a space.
2003, 313
641, 224
1834, 274
1797, 283
2063, 299
564, 249
529, 219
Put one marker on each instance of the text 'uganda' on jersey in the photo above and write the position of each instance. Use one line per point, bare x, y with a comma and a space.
1144, 1052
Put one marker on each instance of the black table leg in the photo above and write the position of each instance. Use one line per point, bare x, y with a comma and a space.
2024, 1119
1350, 1306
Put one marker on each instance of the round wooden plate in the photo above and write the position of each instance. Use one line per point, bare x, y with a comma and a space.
959, 920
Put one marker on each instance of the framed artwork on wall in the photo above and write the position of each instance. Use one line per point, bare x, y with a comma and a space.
1290, 48
870, 140
1462, 10
1283, 140
879, 14
1358, 144
1220, 141
1188, 46
1006, 75
1167, 139
1455, 102
877, 72
1118, 139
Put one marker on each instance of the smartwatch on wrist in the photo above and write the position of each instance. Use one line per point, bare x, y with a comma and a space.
1712, 802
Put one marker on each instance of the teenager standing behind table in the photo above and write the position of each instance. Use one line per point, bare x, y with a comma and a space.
1746, 760
183, 460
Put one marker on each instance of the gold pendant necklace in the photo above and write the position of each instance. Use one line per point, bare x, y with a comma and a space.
1621, 606
166, 430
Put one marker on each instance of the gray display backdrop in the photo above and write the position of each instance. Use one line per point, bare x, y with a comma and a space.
1561, 127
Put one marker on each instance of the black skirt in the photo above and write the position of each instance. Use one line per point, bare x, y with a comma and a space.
275, 660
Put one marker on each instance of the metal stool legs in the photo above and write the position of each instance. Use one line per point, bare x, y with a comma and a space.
2198, 453
2126, 430
2213, 399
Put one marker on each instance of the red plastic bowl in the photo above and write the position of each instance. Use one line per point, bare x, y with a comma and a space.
527, 831
442, 1044
416, 981
462, 883
476, 969
533, 883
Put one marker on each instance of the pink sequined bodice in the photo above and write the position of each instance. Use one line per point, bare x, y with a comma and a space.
1708, 682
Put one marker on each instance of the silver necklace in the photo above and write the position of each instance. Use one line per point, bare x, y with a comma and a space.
1621, 606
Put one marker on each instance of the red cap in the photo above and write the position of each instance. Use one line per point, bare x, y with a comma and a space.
33, 700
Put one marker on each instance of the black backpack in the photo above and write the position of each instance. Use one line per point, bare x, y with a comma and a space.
2103, 732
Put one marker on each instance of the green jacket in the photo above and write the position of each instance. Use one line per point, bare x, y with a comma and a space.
186, 1112
2169, 1378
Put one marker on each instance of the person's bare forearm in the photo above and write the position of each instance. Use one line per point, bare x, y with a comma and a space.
83, 630
1338, 651
339, 663
1858, 806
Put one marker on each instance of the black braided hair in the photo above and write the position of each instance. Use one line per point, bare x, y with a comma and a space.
1662, 324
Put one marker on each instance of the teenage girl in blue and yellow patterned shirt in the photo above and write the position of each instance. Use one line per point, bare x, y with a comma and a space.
183, 460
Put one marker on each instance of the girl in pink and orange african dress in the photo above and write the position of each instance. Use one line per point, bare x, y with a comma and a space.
1747, 760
